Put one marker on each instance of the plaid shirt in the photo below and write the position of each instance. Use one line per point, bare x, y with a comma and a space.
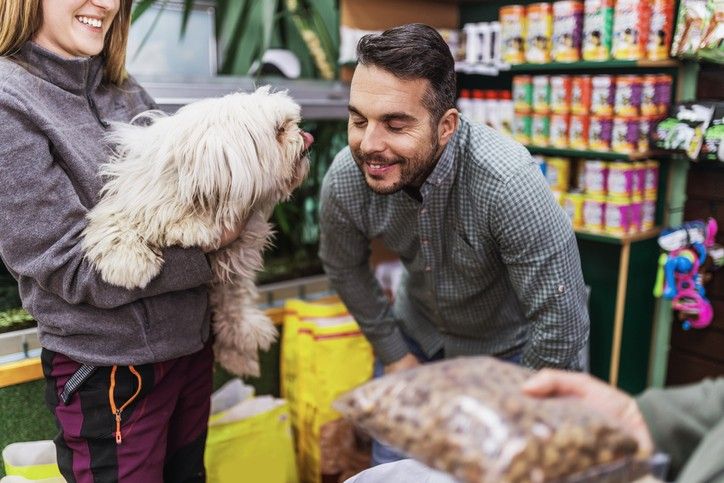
491, 260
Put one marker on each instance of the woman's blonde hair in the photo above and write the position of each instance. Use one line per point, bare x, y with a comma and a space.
21, 19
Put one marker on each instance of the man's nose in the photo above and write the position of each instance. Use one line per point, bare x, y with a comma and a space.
372, 139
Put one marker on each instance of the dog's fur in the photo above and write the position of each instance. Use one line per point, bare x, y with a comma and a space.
180, 180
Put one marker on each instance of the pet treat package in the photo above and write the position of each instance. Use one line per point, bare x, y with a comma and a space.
683, 130
713, 148
469, 417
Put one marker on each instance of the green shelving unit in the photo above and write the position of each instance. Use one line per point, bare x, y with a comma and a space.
606, 155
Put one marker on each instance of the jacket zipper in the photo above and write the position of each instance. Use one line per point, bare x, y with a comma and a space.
91, 102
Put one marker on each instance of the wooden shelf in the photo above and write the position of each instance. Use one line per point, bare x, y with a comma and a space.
607, 155
618, 240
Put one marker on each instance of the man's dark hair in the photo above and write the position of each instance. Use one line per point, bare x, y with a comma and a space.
410, 52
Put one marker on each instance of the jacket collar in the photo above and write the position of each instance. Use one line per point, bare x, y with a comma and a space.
77, 76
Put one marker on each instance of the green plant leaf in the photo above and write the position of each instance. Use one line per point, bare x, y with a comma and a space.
148, 33
188, 7
140, 8
329, 14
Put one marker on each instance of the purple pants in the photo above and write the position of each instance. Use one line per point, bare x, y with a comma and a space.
162, 429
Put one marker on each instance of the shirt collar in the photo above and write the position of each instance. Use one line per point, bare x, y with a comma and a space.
76, 76
445, 167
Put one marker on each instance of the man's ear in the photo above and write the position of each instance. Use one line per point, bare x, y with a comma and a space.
447, 125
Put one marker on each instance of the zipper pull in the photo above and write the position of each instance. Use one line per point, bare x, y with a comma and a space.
118, 426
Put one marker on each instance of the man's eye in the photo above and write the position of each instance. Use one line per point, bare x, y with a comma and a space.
395, 128
359, 122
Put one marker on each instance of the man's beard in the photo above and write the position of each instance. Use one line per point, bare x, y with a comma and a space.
413, 171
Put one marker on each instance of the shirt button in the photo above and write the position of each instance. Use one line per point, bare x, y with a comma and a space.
425, 241
428, 268
423, 211
561, 288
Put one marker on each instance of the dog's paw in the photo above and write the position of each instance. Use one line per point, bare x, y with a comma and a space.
129, 263
190, 232
242, 364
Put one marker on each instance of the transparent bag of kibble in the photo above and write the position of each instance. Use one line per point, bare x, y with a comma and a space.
469, 418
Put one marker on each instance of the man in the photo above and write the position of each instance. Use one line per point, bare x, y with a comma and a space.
491, 261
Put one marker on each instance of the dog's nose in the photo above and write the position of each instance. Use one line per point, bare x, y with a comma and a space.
308, 139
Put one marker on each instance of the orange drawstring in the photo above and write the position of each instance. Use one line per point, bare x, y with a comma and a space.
117, 411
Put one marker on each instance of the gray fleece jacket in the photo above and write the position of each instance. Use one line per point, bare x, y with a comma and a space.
53, 117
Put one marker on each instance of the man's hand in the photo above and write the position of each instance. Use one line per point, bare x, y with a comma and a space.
407, 362
598, 396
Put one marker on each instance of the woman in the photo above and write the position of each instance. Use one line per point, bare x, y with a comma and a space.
128, 372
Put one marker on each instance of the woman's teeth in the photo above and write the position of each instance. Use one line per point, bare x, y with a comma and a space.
92, 22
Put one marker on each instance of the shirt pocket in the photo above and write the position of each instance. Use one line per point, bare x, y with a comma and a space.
465, 260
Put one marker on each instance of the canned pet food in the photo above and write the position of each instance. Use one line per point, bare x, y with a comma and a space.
645, 126
596, 177
567, 31
651, 180
541, 94
512, 33
649, 106
523, 93
540, 32
621, 179
662, 20
602, 95
648, 213
618, 216
541, 125
559, 130
573, 206
627, 101
639, 178
663, 93
625, 136
600, 129
578, 132
522, 127
561, 90
631, 22
558, 173
594, 212
636, 207
581, 94
597, 30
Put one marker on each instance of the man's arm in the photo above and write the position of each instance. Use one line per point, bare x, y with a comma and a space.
344, 251
538, 246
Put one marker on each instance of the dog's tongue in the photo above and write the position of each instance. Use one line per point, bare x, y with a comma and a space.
308, 139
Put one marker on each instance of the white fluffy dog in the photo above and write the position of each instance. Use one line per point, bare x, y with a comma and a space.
182, 179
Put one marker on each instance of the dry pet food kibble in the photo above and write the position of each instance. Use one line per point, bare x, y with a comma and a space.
468, 417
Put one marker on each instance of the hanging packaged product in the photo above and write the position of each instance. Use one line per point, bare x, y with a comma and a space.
621, 179
684, 130
648, 213
631, 22
573, 206
541, 129
625, 135
558, 173
581, 94
649, 106
567, 31
637, 202
713, 147
645, 126
539, 17
660, 28
691, 26
600, 129
561, 91
597, 30
594, 212
541, 94
522, 127
651, 180
513, 33
627, 100
559, 131
603, 90
596, 177
578, 132
663, 93
618, 216
523, 93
